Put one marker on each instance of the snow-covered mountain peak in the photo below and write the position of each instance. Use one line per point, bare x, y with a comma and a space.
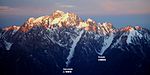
48, 44
57, 13
67, 19
130, 28
105, 28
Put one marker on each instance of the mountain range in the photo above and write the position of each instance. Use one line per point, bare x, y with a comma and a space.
47, 44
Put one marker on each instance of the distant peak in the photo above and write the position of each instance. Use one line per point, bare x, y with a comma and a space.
57, 14
9, 28
138, 27
58, 11
130, 28
31, 19
89, 20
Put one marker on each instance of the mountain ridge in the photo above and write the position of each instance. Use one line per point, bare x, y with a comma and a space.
62, 19
47, 44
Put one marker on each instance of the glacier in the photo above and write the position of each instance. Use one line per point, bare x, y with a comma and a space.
107, 43
75, 41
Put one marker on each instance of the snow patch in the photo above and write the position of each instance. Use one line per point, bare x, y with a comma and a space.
55, 21
8, 45
52, 39
107, 43
14, 31
132, 34
75, 41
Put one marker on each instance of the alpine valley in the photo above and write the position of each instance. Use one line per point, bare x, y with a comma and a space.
48, 44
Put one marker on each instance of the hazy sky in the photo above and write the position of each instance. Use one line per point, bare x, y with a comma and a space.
21, 9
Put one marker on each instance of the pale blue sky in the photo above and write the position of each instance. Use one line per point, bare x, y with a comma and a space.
20, 10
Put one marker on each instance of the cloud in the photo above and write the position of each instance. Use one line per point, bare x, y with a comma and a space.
81, 7
126, 7
5, 9
114, 7
67, 6
64, 5
22, 11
